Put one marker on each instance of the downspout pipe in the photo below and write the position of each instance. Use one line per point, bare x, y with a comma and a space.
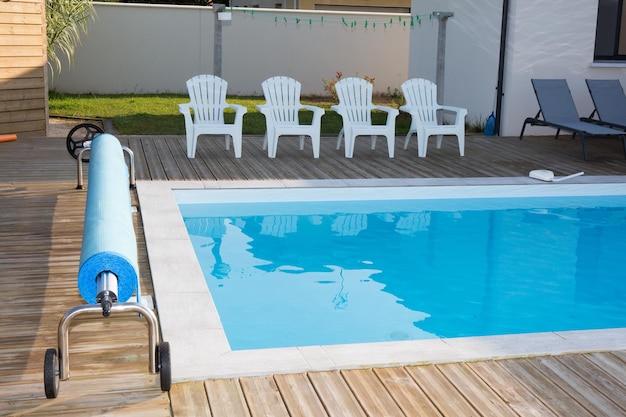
499, 87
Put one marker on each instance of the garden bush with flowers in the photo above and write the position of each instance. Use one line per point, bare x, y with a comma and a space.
329, 84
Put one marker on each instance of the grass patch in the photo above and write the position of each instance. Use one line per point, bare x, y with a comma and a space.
157, 114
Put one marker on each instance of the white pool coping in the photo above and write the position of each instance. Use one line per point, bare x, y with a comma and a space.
199, 348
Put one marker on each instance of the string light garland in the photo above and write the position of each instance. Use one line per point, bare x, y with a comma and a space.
348, 22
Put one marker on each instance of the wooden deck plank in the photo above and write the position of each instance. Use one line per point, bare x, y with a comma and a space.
441, 391
476, 391
179, 155
168, 160
190, 400
263, 397
299, 395
226, 398
578, 387
198, 165
597, 378
153, 160
622, 355
371, 393
543, 387
406, 393
214, 157
335, 394
510, 389
610, 363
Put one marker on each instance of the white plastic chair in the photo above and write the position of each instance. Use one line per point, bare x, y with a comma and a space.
204, 114
421, 104
355, 107
282, 96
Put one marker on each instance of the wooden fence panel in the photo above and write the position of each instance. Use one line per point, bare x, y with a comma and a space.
23, 75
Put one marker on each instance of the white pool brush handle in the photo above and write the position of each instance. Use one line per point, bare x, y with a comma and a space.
578, 174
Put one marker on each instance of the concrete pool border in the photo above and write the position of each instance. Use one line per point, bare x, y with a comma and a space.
190, 322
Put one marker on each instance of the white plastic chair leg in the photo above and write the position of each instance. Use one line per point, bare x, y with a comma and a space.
391, 144
439, 141
191, 146
315, 143
422, 144
301, 142
339, 137
237, 145
349, 151
408, 138
374, 141
461, 138
272, 146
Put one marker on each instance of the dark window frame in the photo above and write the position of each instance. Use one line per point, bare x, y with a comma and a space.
608, 27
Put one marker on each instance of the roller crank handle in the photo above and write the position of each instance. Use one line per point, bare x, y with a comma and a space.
106, 301
107, 291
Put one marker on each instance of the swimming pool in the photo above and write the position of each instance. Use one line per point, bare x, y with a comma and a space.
291, 273
188, 314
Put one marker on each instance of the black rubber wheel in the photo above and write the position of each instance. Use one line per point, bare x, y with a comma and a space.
164, 365
79, 135
51, 373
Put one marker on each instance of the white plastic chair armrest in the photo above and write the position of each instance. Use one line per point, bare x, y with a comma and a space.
389, 110
460, 112
339, 109
318, 112
314, 109
239, 111
185, 109
391, 113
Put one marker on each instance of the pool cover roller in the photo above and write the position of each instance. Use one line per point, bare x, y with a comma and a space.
108, 270
109, 243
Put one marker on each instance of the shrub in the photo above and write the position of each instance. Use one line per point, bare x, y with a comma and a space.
329, 84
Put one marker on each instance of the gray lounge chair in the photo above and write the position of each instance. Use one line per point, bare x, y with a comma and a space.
609, 101
557, 109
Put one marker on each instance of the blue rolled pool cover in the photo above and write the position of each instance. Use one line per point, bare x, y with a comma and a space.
109, 242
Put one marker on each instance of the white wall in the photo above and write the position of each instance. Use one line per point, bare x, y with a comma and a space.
138, 48
472, 48
552, 39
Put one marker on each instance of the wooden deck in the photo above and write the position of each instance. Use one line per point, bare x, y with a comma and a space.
41, 217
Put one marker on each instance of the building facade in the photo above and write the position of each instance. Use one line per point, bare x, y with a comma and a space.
570, 39
374, 6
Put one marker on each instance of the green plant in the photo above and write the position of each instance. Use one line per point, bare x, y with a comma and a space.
396, 97
476, 126
329, 84
65, 21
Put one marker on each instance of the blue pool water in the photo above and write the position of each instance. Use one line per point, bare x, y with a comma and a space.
320, 273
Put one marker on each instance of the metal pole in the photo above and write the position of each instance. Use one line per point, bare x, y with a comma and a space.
217, 41
441, 52
500, 86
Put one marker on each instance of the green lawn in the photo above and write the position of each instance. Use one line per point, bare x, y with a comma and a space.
158, 114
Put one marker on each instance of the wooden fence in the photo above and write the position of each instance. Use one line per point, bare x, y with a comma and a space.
23, 72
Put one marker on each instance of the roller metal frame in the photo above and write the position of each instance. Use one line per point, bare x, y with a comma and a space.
79, 165
93, 309
57, 365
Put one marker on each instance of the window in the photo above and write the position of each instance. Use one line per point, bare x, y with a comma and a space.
611, 31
